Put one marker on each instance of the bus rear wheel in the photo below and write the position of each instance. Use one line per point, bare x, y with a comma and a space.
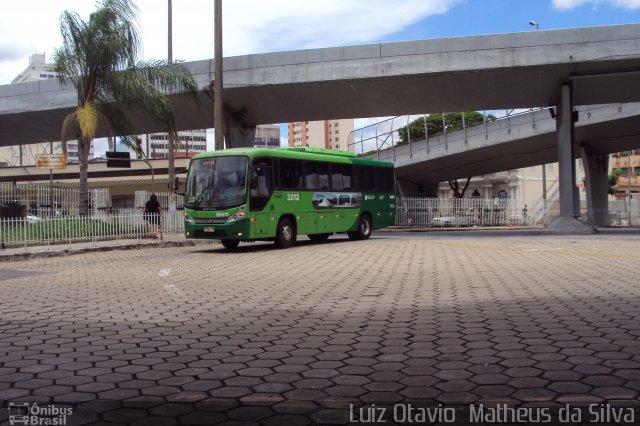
364, 229
285, 234
230, 244
318, 238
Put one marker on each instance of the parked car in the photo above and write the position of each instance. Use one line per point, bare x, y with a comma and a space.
456, 219
31, 218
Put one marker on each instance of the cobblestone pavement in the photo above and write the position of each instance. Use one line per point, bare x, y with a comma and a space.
198, 335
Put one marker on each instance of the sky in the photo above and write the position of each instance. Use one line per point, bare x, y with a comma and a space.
258, 26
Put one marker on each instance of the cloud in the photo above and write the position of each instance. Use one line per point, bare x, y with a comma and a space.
571, 4
250, 26
278, 25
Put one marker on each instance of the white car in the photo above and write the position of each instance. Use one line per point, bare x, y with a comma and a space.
31, 218
457, 219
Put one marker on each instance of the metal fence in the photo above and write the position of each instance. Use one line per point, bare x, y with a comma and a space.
459, 212
469, 212
125, 225
45, 200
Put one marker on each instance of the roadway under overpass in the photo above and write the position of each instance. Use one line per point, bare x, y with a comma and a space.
562, 68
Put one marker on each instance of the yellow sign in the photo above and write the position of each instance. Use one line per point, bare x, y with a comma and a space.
51, 161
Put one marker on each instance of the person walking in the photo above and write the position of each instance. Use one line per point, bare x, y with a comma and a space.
153, 213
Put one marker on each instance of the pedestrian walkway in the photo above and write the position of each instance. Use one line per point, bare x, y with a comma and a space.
15, 252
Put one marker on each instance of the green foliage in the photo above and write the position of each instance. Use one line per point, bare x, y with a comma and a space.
101, 58
66, 229
453, 121
613, 180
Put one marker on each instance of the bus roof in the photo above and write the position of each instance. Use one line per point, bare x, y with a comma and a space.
300, 153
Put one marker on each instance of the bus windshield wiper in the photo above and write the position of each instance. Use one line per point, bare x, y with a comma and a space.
201, 195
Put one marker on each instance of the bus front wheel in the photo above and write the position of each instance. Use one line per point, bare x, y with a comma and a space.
364, 229
285, 234
230, 244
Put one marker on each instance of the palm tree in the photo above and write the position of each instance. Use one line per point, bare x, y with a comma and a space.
101, 58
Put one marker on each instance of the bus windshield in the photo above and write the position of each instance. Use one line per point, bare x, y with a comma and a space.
216, 183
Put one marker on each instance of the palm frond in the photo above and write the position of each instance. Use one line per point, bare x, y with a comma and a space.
87, 118
168, 77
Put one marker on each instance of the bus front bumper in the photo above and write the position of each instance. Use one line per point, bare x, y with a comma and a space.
236, 230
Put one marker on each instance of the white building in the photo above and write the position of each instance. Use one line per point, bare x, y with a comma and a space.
267, 136
190, 143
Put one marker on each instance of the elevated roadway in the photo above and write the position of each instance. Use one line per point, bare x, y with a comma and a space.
519, 141
519, 70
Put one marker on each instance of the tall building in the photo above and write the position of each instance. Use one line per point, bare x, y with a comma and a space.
38, 69
25, 155
327, 134
190, 143
267, 136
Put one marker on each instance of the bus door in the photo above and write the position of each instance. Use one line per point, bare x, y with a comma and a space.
261, 189
323, 200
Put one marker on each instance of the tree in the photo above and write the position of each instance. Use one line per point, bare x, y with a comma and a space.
613, 181
455, 187
101, 59
453, 121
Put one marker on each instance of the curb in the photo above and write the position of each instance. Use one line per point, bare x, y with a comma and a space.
70, 252
454, 229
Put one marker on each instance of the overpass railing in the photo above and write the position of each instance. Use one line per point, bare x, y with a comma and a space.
383, 136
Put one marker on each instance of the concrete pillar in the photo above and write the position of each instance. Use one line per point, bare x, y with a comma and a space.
596, 168
237, 132
566, 222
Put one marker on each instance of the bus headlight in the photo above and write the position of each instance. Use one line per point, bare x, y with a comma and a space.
240, 214
189, 218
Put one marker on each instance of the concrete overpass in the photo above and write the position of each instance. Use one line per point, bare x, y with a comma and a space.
562, 68
519, 141
518, 70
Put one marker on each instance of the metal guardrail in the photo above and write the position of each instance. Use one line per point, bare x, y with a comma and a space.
381, 136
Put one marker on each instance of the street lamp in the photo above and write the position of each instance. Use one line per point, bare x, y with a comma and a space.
534, 24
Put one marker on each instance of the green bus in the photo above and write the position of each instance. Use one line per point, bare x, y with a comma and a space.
261, 194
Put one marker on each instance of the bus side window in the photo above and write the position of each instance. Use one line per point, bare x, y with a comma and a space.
311, 177
384, 179
341, 177
290, 174
261, 183
323, 175
364, 178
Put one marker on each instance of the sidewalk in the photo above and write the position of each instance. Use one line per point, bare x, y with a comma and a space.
178, 239
50, 250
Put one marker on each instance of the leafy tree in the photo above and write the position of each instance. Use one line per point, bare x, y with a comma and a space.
453, 121
613, 180
101, 58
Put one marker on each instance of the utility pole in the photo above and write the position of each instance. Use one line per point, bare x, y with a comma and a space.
170, 141
217, 99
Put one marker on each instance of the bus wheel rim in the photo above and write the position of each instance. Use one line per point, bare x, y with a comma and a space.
286, 233
364, 227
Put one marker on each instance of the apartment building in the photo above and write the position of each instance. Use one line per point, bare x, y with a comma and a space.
327, 134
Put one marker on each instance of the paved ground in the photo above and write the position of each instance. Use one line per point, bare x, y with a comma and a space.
198, 335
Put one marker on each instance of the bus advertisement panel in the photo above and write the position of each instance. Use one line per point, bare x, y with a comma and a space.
249, 194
